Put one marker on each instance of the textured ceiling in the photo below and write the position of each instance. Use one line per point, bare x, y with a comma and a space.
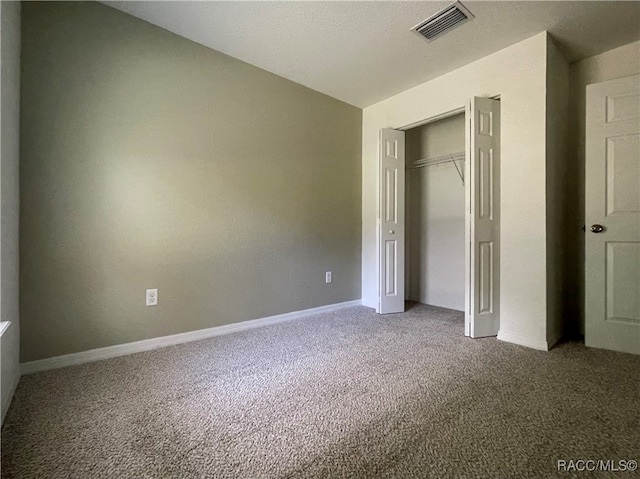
363, 52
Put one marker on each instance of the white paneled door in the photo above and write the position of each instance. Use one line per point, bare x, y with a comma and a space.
612, 214
391, 222
482, 308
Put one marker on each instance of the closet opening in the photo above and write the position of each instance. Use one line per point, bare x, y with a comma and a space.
435, 213
438, 235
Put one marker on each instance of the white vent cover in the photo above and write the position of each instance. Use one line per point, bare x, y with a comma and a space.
442, 22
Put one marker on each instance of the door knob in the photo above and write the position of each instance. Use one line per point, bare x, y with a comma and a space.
597, 228
391, 232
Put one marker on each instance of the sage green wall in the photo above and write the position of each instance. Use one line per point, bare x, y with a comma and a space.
149, 161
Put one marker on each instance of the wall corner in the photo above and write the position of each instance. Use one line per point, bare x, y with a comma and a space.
562, 190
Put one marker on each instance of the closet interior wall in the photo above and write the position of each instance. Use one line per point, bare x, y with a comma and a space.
435, 257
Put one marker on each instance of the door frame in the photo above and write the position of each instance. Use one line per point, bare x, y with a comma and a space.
466, 109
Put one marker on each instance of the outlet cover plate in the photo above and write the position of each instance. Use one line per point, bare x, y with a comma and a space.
152, 297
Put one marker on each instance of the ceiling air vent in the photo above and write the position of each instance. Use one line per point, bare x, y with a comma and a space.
442, 22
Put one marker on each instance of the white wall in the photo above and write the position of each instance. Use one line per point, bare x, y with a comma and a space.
617, 63
9, 185
435, 216
518, 75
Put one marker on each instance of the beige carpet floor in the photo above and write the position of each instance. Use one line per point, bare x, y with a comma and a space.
347, 394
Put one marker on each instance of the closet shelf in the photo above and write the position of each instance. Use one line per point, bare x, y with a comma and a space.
439, 160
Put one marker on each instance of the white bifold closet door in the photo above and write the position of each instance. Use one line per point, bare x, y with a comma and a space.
391, 222
482, 168
482, 203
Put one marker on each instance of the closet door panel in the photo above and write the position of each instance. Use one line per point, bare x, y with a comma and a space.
391, 222
483, 229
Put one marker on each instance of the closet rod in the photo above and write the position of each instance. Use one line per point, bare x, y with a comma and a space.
439, 160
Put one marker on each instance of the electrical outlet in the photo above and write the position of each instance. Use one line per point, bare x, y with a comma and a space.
152, 297
328, 277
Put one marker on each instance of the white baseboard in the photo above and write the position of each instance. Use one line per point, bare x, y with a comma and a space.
539, 344
164, 341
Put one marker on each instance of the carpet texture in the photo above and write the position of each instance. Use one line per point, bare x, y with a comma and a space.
347, 394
